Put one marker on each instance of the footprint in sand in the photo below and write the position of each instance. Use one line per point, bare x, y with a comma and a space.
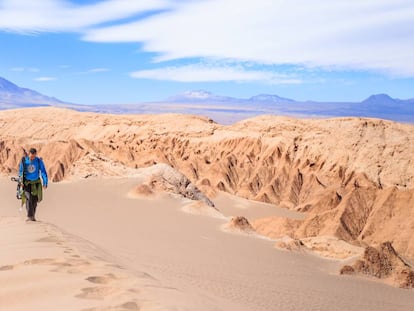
68, 250
127, 306
80, 261
69, 267
40, 261
130, 305
62, 264
102, 279
98, 293
6, 268
49, 239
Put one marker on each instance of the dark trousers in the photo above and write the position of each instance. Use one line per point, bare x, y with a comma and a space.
31, 202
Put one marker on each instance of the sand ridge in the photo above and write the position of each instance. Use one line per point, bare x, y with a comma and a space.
46, 269
58, 271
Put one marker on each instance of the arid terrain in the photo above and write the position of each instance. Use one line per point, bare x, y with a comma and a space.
341, 189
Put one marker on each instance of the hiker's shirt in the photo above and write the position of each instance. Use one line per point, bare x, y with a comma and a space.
33, 170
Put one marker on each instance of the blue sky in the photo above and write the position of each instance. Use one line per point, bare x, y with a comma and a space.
128, 51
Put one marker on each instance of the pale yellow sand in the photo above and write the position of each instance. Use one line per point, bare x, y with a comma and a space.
42, 268
168, 257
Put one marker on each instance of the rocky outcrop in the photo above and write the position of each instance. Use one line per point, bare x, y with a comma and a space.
385, 263
162, 177
368, 216
239, 224
290, 244
324, 246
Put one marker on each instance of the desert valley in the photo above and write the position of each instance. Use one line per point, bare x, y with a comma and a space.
177, 212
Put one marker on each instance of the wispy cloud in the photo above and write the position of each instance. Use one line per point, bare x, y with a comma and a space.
23, 69
27, 16
373, 35
45, 79
94, 70
208, 73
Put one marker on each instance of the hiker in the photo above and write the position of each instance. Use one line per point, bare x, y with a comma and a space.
30, 169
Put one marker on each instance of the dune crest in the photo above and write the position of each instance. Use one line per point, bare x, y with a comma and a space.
70, 274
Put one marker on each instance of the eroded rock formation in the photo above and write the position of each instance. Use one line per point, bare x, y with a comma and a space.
353, 177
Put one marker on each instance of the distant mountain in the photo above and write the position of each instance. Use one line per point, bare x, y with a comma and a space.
13, 96
7, 86
225, 109
380, 106
270, 99
379, 99
201, 96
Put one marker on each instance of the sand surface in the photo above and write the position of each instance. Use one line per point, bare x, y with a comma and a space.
95, 248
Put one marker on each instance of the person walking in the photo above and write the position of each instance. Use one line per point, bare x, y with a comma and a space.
30, 169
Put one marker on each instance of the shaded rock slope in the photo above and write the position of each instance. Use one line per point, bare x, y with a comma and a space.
383, 262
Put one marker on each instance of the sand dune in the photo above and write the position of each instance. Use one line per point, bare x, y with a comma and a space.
352, 178
42, 268
146, 254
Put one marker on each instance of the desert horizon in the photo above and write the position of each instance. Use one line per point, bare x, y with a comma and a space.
225, 110
177, 212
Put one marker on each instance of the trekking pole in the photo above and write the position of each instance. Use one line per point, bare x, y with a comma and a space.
21, 180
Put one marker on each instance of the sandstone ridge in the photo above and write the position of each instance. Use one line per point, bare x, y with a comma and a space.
353, 177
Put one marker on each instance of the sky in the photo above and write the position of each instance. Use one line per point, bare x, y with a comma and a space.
130, 51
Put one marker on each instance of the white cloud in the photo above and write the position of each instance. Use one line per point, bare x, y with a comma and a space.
373, 35
44, 79
207, 73
30, 16
17, 69
94, 70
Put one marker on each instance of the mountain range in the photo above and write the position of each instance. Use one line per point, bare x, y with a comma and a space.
207, 97
13, 96
224, 109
